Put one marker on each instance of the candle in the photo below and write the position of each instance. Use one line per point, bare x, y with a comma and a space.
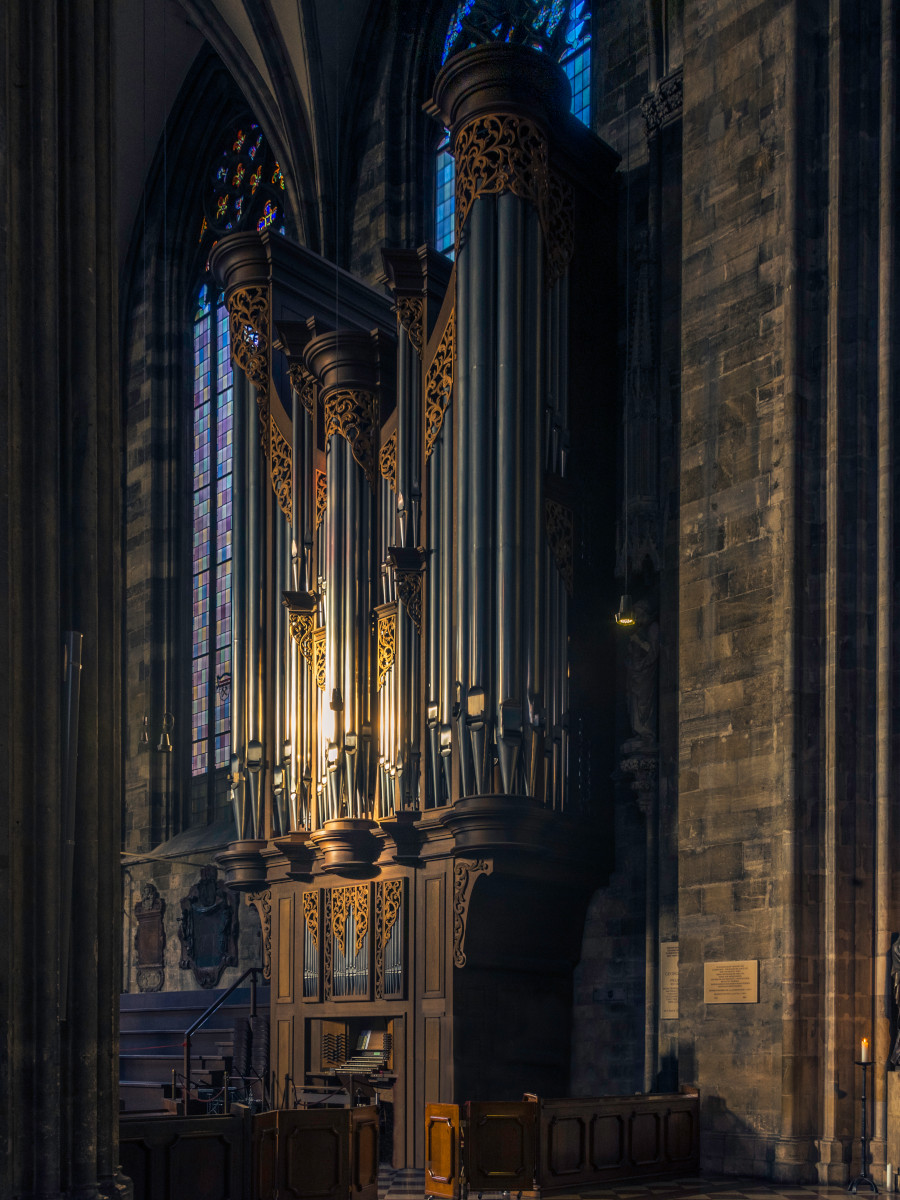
889, 1177
864, 1055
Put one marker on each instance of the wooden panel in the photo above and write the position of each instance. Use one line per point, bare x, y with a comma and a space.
284, 1051
168, 1156
364, 1153
433, 983
442, 1150
265, 1156
681, 1135
585, 1142
644, 1129
285, 983
607, 1141
566, 1145
501, 1144
313, 1153
432, 1060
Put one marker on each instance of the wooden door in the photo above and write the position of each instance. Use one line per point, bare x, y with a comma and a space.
442, 1159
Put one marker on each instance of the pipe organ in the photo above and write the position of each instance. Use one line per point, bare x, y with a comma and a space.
422, 684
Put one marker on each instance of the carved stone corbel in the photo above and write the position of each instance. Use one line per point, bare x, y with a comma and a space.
465, 875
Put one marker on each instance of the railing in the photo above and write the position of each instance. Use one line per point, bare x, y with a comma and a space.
201, 1020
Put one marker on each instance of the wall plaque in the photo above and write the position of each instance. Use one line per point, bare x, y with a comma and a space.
731, 982
668, 981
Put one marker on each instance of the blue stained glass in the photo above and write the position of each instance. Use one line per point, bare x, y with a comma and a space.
576, 61
212, 535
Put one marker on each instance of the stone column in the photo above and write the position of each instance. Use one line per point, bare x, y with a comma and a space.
59, 544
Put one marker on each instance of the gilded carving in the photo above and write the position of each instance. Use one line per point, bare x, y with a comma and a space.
499, 153
248, 313
302, 633
327, 947
409, 589
559, 230
262, 902
311, 914
319, 657
353, 413
504, 153
465, 873
379, 946
439, 384
386, 644
387, 461
321, 493
393, 906
342, 900
304, 384
280, 464
411, 315
560, 537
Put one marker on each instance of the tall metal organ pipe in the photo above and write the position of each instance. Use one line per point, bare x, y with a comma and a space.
239, 790
345, 364
461, 504
254, 614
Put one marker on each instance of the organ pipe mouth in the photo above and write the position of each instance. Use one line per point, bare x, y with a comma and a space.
625, 615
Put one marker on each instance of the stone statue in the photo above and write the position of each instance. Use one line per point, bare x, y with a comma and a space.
642, 671
895, 981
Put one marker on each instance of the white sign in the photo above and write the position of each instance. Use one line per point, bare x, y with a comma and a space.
668, 981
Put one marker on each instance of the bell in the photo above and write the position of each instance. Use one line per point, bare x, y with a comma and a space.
144, 739
165, 742
625, 615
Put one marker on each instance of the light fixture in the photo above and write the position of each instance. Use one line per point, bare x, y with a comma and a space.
165, 741
625, 615
144, 739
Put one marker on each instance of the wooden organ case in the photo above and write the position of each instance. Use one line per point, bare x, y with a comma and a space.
423, 673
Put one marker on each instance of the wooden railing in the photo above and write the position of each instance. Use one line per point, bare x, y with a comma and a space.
553, 1145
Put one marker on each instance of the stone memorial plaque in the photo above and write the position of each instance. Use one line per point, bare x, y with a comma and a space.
668, 981
731, 982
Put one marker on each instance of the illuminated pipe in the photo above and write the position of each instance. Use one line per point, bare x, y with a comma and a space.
254, 615
328, 730
461, 507
444, 451
479, 533
239, 792
507, 700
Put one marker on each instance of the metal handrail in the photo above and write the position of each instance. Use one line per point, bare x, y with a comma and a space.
201, 1020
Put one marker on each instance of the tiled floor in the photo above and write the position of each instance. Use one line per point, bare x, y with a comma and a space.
406, 1184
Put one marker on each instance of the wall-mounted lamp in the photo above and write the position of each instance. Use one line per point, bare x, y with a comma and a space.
165, 741
625, 615
144, 739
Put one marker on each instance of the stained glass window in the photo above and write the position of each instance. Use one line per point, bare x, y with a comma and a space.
560, 27
245, 189
212, 536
